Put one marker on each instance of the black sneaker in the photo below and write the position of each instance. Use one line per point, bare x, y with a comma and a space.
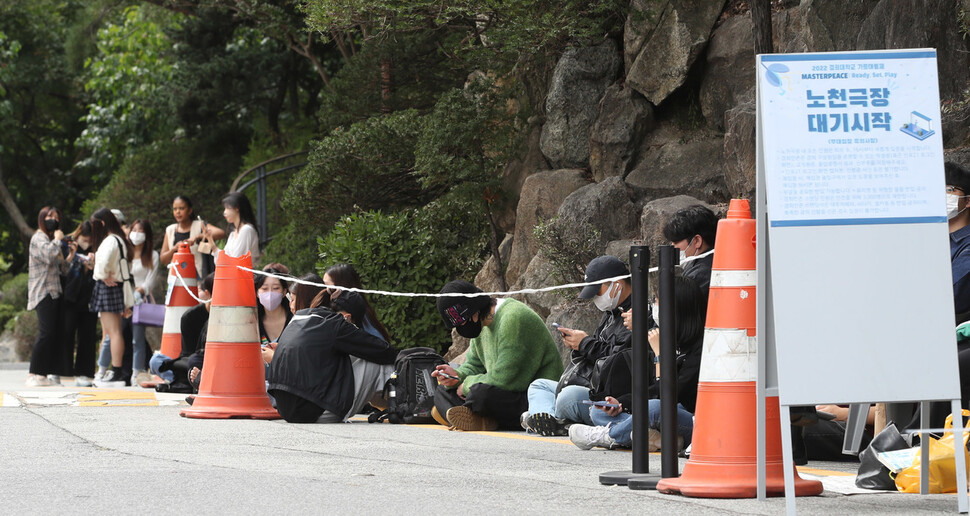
547, 424
112, 378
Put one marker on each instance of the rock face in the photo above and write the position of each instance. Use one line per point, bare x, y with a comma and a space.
663, 62
624, 116
514, 176
655, 214
540, 274
922, 24
541, 196
673, 162
640, 22
729, 71
608, 206
576, 314
578, 82
488, 278
740, 151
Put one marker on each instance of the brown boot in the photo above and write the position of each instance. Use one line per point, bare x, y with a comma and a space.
464, 419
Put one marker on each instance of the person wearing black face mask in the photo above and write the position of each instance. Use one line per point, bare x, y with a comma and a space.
510, 347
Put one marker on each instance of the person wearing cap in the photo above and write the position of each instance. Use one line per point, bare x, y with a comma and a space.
121, 220
692, 230
553, 406
325, 368
510, 348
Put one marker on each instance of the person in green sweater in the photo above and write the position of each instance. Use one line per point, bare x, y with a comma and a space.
510, 347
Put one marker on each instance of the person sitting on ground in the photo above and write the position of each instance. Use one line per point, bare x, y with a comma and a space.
300, 296
693, 230
510, 348
194, 327
273, 314
325, 369
344, 275
555, 405
614, 424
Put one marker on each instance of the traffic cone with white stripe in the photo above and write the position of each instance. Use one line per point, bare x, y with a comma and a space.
233, 375
723, 458
178, 300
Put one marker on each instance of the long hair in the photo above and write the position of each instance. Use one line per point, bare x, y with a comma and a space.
304, 294
146, 228
691, 312
103, 224
240, 202
42, 215
344, 275
83, 229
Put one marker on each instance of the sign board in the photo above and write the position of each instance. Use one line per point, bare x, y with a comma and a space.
857, 250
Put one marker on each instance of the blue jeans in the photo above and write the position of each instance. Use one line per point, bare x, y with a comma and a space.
568, 405
138, 346
621, 425
156, 361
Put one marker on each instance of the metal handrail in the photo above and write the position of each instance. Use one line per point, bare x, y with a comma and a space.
262, 207
261, 165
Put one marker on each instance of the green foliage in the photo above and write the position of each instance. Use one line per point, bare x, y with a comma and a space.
24, 328
7, 312
295, 247
366, 166
13, 292
147, 182
127, 82
416, 250
568, 249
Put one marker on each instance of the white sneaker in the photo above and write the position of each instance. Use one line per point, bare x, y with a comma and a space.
83, 381
37, 380
585, 437
109, 380
55, 379
99, 374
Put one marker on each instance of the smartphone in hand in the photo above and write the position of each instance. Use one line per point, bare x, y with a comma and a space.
600, 404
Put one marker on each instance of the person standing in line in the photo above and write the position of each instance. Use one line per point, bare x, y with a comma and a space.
144, 269
243, 236
47, 261
113, 294
189, 230
78, 324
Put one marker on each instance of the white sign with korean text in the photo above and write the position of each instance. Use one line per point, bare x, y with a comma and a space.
852, 138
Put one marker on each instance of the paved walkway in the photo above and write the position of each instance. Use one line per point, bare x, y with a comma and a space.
72, 450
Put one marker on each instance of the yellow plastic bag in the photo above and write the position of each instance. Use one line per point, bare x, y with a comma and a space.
943, 473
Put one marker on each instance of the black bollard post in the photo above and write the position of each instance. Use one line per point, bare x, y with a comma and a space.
639, 269
669, 256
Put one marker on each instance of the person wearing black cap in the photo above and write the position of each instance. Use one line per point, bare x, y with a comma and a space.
553, 406
510, 347
326, 368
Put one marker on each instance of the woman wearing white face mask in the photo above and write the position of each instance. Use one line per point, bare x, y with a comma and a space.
144, 269
273, 312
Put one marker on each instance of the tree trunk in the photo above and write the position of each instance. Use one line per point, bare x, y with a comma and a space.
761, 19
26, 232
385, 85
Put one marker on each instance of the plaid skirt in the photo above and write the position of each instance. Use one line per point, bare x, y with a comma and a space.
107, 299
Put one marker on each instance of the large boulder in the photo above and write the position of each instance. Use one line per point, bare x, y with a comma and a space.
922, 24
676, 42
540, 274
640, 22
673, 162
729, 71
740, 151
541, 196
624, 117
576, 314
578, 82
655, 214
514, 176
608, 206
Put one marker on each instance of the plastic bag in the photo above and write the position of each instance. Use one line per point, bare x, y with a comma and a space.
872, 473
942, 472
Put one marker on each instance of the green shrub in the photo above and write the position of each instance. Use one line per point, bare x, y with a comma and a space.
13, 292
568, 249
295, 247
7, 312
417, 250
24, 328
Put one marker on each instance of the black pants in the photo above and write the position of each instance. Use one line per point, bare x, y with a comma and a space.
487, 400
295, 409
45, 358
823, 441
78, 325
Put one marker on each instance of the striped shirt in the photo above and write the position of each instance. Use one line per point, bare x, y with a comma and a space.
46, 264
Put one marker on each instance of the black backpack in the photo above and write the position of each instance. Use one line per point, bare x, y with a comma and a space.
410, 390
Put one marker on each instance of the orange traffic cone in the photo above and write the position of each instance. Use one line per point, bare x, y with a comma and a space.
178, 301
723, 458
233, 375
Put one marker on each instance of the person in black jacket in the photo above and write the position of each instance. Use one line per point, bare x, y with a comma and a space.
614, 423
325, 368
194, 328
76, 320
553, 406
692, 230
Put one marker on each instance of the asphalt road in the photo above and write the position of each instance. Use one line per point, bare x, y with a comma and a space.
77, 451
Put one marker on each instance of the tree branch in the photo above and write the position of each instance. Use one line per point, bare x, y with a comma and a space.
26, 232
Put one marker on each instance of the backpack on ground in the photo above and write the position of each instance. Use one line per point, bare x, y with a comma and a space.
410, 390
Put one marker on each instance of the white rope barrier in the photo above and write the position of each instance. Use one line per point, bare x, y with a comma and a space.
291, 279
181, 279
